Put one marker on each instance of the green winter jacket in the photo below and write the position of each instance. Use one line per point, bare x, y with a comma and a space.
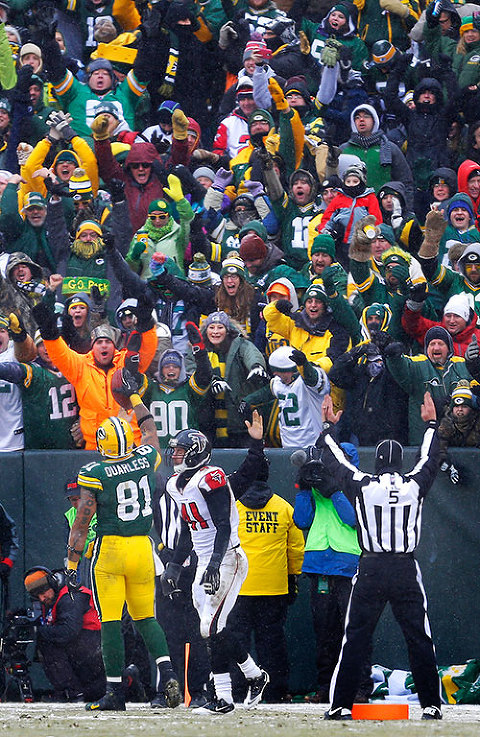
416, 375
172, 244
20, 235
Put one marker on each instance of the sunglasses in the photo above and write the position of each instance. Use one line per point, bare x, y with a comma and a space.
158, 217
144, 165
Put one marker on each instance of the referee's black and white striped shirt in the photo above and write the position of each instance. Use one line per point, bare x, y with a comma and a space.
388, 506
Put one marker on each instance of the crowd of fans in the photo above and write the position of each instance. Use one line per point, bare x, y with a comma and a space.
301, 184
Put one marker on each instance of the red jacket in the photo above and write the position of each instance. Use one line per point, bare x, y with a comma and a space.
416, 325
464, 170
90, 618
341, 206
138, 196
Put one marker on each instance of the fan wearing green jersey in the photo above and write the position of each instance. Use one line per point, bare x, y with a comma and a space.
175, 400
119, 488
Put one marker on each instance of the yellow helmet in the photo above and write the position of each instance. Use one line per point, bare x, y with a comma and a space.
114, 438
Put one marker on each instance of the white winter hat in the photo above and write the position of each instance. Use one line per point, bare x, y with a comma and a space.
458, 305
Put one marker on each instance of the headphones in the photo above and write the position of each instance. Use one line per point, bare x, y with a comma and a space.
54, 578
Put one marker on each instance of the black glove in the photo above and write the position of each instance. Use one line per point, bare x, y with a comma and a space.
263, 157
292, 589
381, 339
284, 306
357, 351
245, 410
394, 350
418, 292
195, 337
42, 20
108, 242
71, 581
169, 579
4, 571
298, 357
129, 383
211, 576
98, 302
59, 189
116, 187
24, 78
257, 140
143, 312
46, 320
151, 20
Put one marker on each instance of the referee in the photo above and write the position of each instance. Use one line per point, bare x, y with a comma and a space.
388, 506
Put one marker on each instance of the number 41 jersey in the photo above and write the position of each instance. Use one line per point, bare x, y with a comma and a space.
123, 490
193, 505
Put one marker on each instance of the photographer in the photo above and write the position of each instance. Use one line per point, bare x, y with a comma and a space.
330, 561
68, 637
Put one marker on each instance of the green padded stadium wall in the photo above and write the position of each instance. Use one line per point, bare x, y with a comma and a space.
32, 491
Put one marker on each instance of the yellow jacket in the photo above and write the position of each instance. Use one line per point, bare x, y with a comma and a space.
273, 544
82, 151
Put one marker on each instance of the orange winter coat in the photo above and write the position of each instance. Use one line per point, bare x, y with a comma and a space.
93, 385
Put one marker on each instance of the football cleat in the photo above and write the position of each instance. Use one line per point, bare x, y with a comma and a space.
216, 706
173, 695
114, 700
256, 687
432, 712
339, 715
159, 701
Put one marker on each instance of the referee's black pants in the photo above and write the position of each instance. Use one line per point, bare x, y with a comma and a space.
382, 578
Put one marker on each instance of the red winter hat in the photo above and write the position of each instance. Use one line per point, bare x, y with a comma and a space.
252, 247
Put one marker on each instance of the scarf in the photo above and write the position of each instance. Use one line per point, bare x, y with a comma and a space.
367, 141
86, 251
154, 233
166, 88
33, 290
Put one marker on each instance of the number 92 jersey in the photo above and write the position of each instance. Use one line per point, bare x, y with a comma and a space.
123, 489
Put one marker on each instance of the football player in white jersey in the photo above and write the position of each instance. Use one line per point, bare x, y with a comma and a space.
210, 525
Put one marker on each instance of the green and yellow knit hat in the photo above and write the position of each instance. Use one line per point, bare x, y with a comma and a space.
88, 225
394, 255
233, 265
158, 206
80, 185
4, 322
467, 24
462, 394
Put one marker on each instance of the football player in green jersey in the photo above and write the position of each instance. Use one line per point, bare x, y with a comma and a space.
119, 489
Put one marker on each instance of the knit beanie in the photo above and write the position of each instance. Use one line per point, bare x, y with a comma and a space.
105, 331
252, 247
37, 582
394, 255
260, 115
316, 291
298, 84
461, 200
376, 310
256, 226
386, 231
199, 271
218, 317
356, 170
66, 156
462, 394
158, 206
107, 107
170, 357
204, 171
467, 24
4, 322
437, 332
253, 46
233, 265
324, 243
77, 299
458, 305
88, 225
81, 185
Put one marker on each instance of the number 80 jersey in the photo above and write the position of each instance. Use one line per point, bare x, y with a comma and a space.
123, 490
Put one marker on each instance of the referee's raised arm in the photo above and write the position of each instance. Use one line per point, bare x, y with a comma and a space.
428, 458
